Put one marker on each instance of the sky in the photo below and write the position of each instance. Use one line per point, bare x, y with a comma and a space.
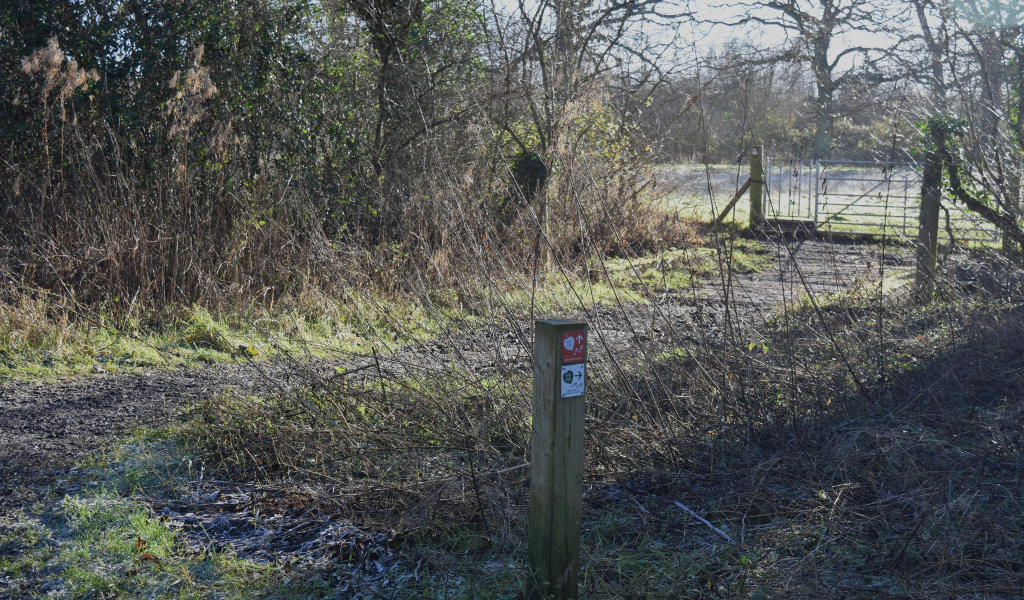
893, 18
769, 37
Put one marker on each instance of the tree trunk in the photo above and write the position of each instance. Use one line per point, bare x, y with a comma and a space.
1012, 209
1010, 246
823, 105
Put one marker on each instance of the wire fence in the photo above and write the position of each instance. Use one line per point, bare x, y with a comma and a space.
859, 198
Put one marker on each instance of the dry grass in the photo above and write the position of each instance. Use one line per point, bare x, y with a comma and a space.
141, 244
31, 321
201, 216
864, 446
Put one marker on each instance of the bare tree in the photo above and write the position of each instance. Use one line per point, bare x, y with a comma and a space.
559, 59
972, 47
812, 28
553, 50
932, 21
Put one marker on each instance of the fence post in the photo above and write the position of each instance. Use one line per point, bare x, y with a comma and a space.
817, 188
928, 229
756, 186
556, 459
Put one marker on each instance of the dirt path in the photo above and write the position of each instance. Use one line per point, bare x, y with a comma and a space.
46, 424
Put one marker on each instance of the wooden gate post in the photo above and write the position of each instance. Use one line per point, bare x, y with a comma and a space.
556, 458
756, 187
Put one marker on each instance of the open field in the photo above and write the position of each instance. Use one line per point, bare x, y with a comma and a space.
851, 199
686, 186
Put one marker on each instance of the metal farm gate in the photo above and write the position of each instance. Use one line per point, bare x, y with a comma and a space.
857, 198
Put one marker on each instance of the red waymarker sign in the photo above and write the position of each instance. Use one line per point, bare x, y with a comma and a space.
573, 347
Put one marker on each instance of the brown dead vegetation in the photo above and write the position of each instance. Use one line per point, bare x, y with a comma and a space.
851, 446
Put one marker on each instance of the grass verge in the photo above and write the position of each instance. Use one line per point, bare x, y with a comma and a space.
39, 338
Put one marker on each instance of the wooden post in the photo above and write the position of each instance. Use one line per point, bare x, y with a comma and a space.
756, 186
556, 459
928, 224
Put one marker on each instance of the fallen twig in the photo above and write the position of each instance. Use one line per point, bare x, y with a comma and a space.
705, 521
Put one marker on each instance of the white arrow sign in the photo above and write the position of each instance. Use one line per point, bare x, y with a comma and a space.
572, 381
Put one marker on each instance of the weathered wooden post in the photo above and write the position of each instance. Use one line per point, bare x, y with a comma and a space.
556, 458
756, 186
928, 224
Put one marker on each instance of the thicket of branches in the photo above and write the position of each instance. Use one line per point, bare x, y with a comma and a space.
196, 151
189, 152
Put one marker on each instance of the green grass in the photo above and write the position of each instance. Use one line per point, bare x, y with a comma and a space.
635, 280
697, 207
688, 194
106, 542
109, 543
42, 340
104, 545
676, 270
34, 344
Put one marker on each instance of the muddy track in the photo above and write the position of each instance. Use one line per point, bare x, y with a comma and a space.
42, 426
